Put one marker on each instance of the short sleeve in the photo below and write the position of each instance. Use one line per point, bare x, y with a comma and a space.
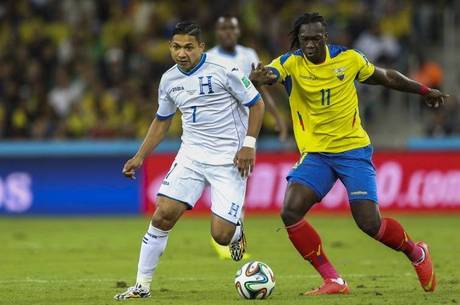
278, 68
241, 87
166, 106
365, 68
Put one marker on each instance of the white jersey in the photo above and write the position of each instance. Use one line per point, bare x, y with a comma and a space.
213, 98
243, 57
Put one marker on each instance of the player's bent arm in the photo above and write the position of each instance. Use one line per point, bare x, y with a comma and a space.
396, 80
245, 157
156, 133
256, 115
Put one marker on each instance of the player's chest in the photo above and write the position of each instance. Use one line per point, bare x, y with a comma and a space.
195, 89
316, 77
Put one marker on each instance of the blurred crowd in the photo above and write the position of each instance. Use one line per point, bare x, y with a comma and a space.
90, 69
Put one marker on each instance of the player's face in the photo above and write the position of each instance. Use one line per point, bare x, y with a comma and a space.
227, 32
186, 50
312, 39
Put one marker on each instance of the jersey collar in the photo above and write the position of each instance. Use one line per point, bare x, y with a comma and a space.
198, 66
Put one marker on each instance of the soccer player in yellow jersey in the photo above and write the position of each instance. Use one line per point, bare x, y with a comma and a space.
320, 81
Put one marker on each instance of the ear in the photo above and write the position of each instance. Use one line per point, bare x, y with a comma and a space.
202, 45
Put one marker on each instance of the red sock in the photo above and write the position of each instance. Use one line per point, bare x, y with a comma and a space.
305, 239
392, 234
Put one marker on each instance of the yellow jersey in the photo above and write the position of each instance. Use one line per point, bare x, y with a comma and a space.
323, 98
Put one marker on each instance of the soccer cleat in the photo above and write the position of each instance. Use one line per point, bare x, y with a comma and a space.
425, 270
330, 286
238, 247
134, 292
223, 253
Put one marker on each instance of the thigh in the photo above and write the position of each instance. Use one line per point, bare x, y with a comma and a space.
228, 190
184, 182
314, 173
357, 173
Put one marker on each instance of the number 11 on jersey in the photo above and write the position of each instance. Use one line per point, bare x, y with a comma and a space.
325, 97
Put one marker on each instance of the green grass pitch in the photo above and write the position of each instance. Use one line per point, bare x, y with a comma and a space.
83, 260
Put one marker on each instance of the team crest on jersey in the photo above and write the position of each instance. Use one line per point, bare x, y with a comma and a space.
340, 73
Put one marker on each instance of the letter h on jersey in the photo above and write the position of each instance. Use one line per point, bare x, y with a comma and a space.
208, 84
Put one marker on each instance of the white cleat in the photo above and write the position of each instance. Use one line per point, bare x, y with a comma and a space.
134, 292
238, 248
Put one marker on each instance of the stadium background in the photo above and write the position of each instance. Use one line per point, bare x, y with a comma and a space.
78, 83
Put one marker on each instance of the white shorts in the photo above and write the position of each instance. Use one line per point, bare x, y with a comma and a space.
186, 180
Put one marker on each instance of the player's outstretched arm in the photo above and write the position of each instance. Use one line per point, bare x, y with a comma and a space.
396, 80
156, 133
245, 157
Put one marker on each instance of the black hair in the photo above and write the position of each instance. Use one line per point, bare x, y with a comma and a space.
306, 18
187, 28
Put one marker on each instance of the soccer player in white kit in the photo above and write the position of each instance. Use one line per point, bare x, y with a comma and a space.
221, 118
227, 35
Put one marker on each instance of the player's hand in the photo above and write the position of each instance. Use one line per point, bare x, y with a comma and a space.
129, 169
261, 75
245, 160
435, 98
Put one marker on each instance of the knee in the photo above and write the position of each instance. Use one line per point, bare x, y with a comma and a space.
222, 237
163, 220
369, 226
290, 215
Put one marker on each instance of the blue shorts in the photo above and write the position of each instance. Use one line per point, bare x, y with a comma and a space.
319, 171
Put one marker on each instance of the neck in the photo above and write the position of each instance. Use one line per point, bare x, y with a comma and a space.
193, 65
231, 49
320, 58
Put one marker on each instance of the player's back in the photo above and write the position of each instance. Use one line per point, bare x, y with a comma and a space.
210, 98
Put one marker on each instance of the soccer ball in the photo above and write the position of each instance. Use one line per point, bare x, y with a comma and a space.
255, 280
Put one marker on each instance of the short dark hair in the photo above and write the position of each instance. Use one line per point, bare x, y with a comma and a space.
187, 28
306, 18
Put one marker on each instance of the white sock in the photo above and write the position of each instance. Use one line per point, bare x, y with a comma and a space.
237, 234
152, 247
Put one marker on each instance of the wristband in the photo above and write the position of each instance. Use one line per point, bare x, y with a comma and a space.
249, 142
424, 90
